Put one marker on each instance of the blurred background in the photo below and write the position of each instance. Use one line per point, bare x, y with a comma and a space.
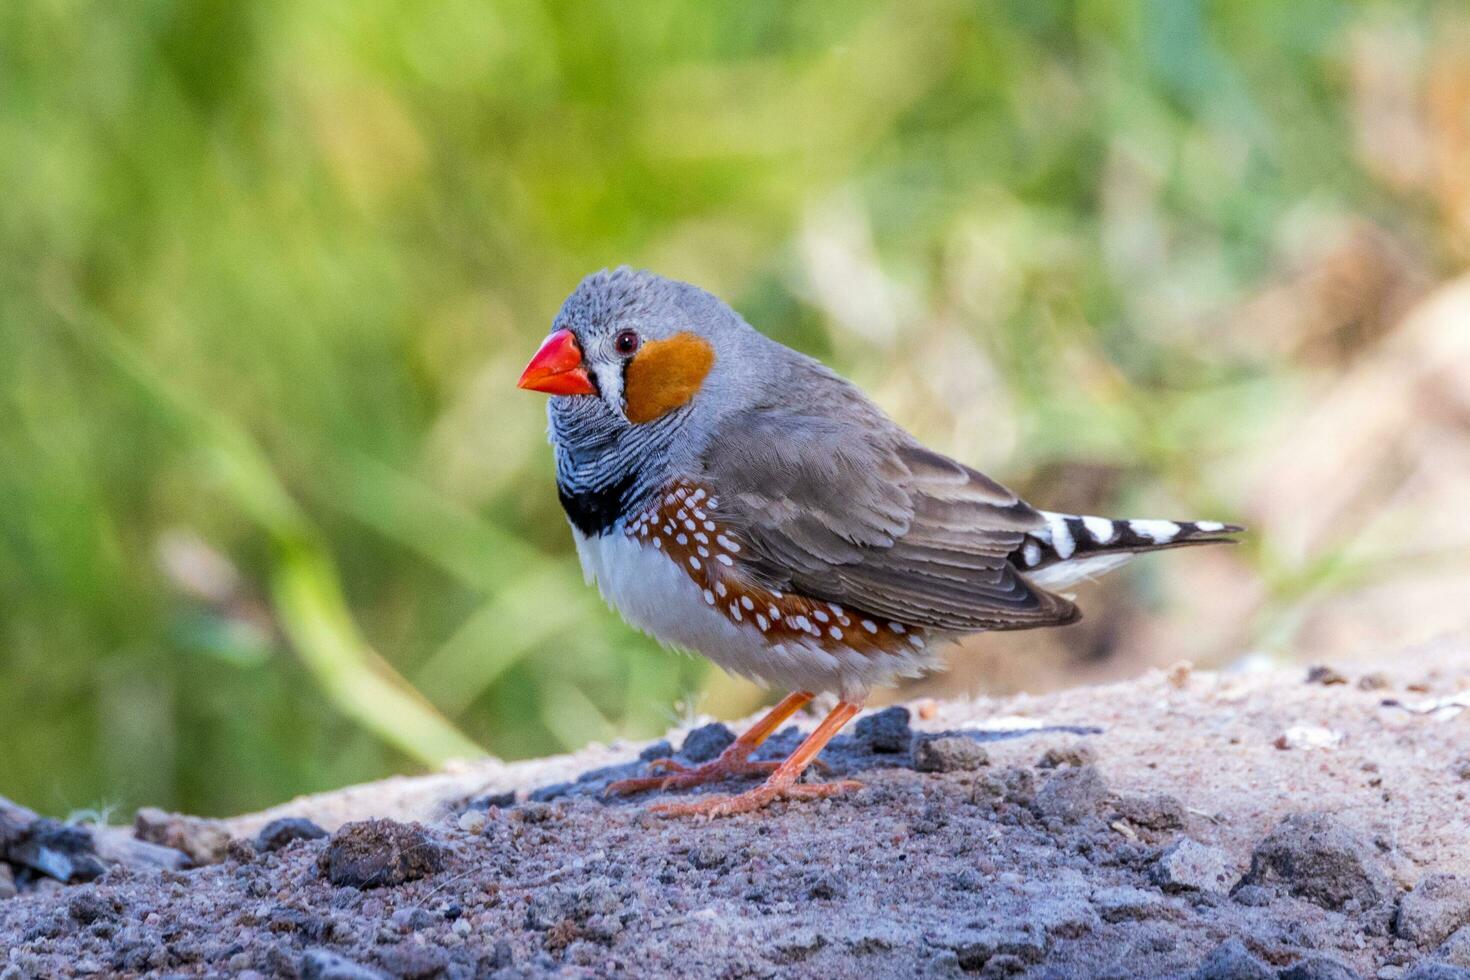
274, 518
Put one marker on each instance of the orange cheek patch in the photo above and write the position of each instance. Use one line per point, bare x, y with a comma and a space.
665, 374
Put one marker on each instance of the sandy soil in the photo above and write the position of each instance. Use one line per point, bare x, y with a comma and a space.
1253, 825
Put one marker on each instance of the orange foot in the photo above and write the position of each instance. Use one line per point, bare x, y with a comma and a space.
754, 799
728, 766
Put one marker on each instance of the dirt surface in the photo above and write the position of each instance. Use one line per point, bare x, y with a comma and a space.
1185, 824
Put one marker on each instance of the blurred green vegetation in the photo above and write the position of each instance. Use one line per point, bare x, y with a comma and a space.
273, 517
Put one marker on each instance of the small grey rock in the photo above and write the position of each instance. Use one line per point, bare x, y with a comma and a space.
1318, 967
658, 750
1187, 865
1232, 961
278, 833
949, 753
1124, 903
373, 853
1251, 896
885, 731
7, 882
1438, 905
323, 964
1076, 754
1313, 856
1157, 812
1071, 794
205, 841
1436, 970
706, 742
1456, 949
981, 949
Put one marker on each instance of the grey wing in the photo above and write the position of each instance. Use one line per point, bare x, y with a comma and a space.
853, 511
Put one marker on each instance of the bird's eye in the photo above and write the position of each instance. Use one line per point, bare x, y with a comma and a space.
626, 342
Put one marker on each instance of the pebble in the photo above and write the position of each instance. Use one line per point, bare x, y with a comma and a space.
1157, 812
473, 821
1071, 794
1456, 949
1324, 675
885, 731
205, 841
1232, 961
980, 950
1318, 967
323, 964
1187, 865
278, 833
1076, 754
1315, 857
949, 753
372, 853
658, 750
1436, 970
1124, 903
1437, 907
706, 742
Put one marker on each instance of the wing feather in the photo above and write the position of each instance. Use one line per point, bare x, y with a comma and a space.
845, 507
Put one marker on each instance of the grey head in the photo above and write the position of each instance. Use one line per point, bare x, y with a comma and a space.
662, 363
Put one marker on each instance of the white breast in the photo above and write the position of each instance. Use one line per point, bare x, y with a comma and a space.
656, 596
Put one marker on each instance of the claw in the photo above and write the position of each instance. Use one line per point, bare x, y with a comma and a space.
683, 777
754, 799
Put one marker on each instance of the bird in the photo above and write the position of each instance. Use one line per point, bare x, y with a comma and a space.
733, 497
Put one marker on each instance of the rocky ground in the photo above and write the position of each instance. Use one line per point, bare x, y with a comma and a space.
1265, 824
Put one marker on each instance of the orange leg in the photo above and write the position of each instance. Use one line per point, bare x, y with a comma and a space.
782, 783
734, 761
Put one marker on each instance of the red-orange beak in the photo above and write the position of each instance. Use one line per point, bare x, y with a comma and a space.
557, 368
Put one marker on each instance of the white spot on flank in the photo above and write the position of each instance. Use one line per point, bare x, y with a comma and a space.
709, 597
1061, 538
694, 563
698, 514
689, 524
668, 529
682, 538
1031, 553
1100, 529
698, 496
724, 559
835, 633
897, 628
775, 613
745, 601
1209, 527
835, 608
762, 622
703, 551
658, 542
720, 588
1160, 532
701, 537
917, 641
820, 616
735, 612
709, 525
682, 515
870, 626
726, 543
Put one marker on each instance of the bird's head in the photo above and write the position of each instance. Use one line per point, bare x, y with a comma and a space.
631, 349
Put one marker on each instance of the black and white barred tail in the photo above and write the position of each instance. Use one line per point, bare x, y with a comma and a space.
1072, 547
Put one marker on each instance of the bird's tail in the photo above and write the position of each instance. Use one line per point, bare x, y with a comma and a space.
1071, 547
